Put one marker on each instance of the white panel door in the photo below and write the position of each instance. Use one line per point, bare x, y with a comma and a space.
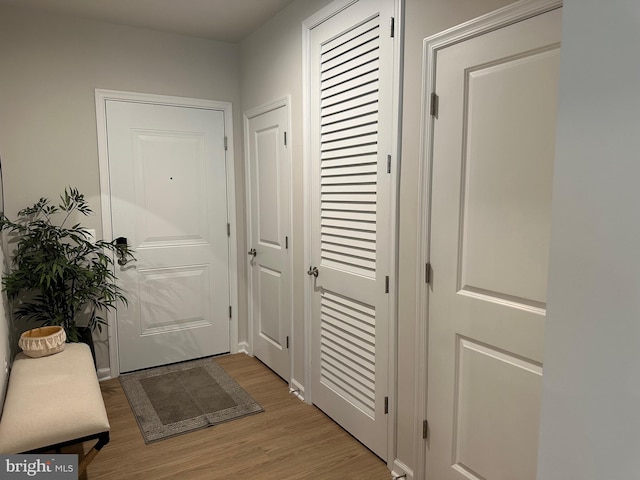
493, 153
270, 210
351, 116
168, 197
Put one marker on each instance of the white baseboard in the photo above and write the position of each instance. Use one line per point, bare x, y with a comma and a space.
401, 470
243, 347
104, 374
297, 389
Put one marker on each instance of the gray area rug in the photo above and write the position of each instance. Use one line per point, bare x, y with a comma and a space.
183, 397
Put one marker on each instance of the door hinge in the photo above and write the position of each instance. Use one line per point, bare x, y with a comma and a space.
285, 139
425, 429
225, 143
386, 284
393, 27
427, 273
435, 105
229, 311
386, 405
286, 243
228, 229
388, 163
287, 341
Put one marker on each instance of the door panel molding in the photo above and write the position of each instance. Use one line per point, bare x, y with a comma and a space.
500, 18
281, 102
101, 97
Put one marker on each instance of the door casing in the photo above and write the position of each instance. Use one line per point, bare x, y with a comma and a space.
510, 14
101, 96
307, 25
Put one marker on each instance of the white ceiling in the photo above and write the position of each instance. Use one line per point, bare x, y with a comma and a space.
224, 20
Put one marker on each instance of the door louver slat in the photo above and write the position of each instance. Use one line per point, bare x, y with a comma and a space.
361, 235
349, 133
357, 36
353, 362
346, 124
361, 92
354, 188
351, 81
347, 350
352, 180
359, 75
362, 137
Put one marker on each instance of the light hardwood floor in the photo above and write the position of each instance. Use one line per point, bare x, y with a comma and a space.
289, 440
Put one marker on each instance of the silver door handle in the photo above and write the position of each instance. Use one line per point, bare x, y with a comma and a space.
252, 252
313, 271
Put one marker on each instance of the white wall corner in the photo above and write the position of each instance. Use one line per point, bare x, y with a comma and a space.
104, 374
243, 347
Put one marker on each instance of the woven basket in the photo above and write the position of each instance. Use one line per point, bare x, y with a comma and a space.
43, 341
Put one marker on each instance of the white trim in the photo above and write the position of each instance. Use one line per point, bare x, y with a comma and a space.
401, 470
104, 374
297, 389
307, 25
243, 347
396, 152
322, 16
284, 101
101, 97
500, 18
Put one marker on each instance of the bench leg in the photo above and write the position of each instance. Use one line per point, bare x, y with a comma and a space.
103, 439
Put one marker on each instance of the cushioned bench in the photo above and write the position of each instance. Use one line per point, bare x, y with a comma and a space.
52, 402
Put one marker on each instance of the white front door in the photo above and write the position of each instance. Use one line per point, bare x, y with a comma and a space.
270, 215
351, 72
168, 199
493, 152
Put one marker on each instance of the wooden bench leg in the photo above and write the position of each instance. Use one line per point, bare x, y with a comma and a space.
103, 439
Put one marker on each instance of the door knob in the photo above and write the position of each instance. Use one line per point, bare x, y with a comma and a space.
252, 252
313, 271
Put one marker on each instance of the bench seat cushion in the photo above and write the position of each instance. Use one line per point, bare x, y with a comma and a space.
52, 400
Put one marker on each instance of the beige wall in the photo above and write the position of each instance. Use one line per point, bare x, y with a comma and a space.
590, 427
50, 67
271, 67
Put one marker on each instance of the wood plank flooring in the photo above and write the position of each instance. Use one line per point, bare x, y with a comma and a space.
289, 440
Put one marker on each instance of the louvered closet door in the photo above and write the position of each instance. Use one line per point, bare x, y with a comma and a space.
351, 75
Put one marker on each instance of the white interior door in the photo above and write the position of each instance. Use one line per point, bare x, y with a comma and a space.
493, 152
270, 212
168, 198
351, 71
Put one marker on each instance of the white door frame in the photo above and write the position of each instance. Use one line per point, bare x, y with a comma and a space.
284, 101
105, 196
502, 17
307, 25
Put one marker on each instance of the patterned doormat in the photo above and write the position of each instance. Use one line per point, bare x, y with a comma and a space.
183, 397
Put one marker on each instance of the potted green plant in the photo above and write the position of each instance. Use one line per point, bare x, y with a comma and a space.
59, 273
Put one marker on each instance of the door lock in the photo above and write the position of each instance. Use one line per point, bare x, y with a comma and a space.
313, 271
252, 252
122, 251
